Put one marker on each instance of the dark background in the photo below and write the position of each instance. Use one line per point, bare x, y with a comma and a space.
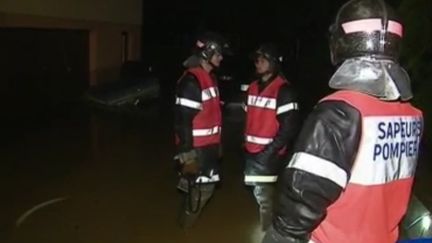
299, 27
31, 68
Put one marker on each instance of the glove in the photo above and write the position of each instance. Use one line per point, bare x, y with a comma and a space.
271, 160
191, 168
189, 161
256, 164
272, 236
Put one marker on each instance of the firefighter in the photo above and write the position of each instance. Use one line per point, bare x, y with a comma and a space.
198, 125
351, 174
272, 119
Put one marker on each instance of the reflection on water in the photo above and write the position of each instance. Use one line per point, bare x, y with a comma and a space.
117, 175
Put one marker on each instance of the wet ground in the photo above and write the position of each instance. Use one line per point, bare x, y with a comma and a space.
108, 177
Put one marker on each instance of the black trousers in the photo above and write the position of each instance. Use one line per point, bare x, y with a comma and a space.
264, 196
193, 199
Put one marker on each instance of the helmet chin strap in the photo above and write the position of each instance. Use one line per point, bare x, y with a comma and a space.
213, 66
208, 65
264, 73
268, 74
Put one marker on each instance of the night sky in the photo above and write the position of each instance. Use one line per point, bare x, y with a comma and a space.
246, 24
299, 28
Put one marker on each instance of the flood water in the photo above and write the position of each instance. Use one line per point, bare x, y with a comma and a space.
109, 177
96, 176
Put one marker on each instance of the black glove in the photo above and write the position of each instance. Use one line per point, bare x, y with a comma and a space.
272, 236
261, 164
189, 163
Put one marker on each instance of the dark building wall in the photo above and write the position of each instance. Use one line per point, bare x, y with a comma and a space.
105, 40
52, 51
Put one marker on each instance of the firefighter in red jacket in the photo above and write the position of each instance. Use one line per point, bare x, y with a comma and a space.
271, 125
198, 126
351, 174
